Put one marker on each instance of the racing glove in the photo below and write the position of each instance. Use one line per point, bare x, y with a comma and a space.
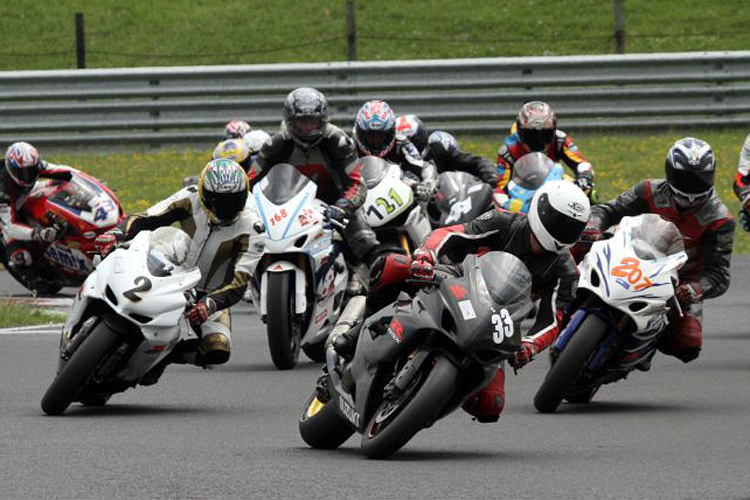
334, 215
528, 350
106, 242
425, 190
200, 312
423, 265
689, 293
745, 219
585, 181
44, 234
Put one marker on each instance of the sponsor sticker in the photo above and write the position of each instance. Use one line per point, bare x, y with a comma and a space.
467, 310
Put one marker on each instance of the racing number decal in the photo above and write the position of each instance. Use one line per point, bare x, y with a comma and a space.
278, 216
630, 269
142, 284
389, 208
503, 326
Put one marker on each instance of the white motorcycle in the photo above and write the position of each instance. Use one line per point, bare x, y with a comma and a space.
624, 294
125, 319
300, 279
400, 223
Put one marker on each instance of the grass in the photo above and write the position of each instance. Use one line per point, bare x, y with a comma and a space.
41, 35
620, 161
22, 315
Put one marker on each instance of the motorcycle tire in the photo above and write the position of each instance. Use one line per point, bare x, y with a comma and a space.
422, 402
569, 364
70, 380
41, 288
316, 352
283, 333
321, 426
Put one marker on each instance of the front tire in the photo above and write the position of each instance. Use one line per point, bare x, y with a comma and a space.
283, 332
569, 364
70, 380
321, 426
419, 405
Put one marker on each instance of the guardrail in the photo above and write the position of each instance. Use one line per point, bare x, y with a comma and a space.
168, 105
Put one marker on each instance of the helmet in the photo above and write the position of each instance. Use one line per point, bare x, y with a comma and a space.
22, 163
234, 149
558, 214
375, 128
223, 191
412, 128
305, 115
236, 129
690, 169
536, 124
439, 145
255, 140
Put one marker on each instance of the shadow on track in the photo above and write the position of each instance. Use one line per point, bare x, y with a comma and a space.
406, 454
615, 407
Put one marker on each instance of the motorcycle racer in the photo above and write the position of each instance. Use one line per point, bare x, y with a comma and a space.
236, 129
741, 185
688, 199
213, 215
411, 128
558, 213
535, 130
443, 150
21, 167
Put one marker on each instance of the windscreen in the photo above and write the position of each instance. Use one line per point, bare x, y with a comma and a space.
282, 183
531, 170
452, 186
373, 170
508, 282
76, 194
168, 248
655, 238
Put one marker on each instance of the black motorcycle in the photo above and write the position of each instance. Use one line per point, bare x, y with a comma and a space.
460, 197
420, 358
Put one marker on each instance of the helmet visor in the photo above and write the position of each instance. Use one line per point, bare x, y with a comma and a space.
535, 139
225, 206
376, 142
308, 127
566, 230
690, 182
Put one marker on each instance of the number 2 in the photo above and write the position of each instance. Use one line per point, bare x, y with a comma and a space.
142, 284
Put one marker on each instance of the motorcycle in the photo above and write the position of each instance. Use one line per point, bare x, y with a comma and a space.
300, 276
420, 358
81, 208
125, 319
390, 209
624, 295
461, 197
530, 172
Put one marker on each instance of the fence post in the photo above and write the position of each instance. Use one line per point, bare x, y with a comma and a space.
351, 31
619, 26
80, 42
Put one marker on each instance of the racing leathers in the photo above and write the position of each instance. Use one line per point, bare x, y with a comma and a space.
331, 163
741, 184
17, 232
221, 254
708, 235
494, 230
561, 149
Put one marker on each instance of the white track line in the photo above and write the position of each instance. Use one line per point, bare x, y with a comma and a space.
31, 330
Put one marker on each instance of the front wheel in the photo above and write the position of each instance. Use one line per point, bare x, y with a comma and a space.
321, 426
397, 420
569, 364
70, 380
283, 331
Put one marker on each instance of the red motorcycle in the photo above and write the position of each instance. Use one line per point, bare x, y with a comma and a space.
82, 208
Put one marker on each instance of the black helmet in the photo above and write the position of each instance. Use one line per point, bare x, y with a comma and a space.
439, 145
536, 124
412, 128
223, 191
306, 114
690, 168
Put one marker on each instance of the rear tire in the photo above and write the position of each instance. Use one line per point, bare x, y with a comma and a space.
427, 400
70, 380
569, 364
322, 427
283, 332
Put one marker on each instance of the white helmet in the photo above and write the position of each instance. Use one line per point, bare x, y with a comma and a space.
254, 140
558, 214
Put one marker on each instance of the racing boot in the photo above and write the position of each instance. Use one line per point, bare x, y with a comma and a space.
213, 349
486, 404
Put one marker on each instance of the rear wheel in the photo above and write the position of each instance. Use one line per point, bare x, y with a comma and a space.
321, 426
569, 364
398, 419
40, 286
283, 331
70, 380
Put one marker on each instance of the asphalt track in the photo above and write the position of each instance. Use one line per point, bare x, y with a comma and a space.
678, 431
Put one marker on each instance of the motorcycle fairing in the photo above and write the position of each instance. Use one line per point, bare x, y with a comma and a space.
388, 197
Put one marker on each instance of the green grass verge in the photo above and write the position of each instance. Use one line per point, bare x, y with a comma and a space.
23, 315
620, 160
41, 35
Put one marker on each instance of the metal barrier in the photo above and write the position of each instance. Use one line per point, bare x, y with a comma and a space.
167, 105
